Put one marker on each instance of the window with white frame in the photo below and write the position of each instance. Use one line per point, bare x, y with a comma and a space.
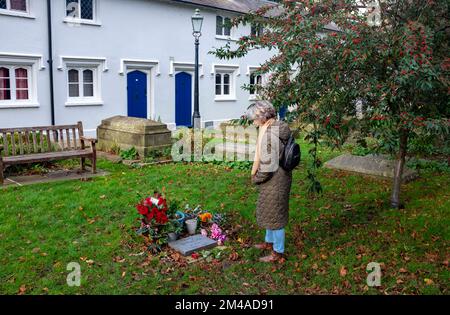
14, 5
255, 83
256, 30
223, 84
15, 84
83, 85
223, 27
81, 9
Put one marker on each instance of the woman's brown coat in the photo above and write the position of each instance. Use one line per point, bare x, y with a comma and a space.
272, 210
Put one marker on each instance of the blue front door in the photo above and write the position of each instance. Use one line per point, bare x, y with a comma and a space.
137, 94
183, 99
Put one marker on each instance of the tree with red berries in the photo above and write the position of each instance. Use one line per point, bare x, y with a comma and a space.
378, 68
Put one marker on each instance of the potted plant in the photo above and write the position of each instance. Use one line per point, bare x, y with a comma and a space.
173, 230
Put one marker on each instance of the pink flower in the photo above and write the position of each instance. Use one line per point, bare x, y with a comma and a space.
204, 232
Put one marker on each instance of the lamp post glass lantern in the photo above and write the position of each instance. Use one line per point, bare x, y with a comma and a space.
197, 22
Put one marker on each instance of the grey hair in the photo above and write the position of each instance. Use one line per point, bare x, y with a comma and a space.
261, 110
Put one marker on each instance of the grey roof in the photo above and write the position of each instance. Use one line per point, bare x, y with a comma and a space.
240, 6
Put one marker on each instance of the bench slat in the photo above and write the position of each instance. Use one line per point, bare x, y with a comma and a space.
5, 144
61, 138
68, 139
13, 143
39, 157
37, 128
74, 138
49, 141
41, 140
20, 142
35, 147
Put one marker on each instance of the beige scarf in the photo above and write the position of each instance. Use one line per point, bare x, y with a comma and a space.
262, 131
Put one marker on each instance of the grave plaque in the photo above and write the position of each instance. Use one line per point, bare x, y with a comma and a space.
187, 246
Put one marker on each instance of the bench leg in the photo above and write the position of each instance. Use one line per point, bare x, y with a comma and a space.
94, 165
83, 164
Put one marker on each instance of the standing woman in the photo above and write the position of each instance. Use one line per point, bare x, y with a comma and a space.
273, 181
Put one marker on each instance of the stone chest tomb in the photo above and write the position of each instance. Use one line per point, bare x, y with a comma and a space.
144, 135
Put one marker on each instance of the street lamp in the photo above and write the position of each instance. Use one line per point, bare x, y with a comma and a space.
197, 21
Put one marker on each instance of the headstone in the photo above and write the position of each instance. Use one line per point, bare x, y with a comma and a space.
374, 165
187, 246
144, 135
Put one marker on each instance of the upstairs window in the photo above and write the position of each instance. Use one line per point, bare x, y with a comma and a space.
223, 27
80, 9
257, 30
14, 5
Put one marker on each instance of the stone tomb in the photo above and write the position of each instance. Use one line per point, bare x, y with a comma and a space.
373, 165
187, 246
144, 135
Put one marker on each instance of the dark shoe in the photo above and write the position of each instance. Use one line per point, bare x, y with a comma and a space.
274, 257
263, 246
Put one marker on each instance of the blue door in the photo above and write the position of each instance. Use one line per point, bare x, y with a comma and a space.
183, 99
137, 94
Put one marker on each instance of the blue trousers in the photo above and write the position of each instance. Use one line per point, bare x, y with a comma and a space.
276, 237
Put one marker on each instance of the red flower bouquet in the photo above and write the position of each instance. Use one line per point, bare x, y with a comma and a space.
153, 210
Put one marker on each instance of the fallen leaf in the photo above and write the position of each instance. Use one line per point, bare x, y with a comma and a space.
428, 281
403, 270
102, 196
35, 250
343, 271
22, 289
123, 274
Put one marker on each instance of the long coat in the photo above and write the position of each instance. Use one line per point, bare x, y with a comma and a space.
272, 210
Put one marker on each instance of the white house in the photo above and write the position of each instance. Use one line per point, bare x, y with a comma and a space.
116, 57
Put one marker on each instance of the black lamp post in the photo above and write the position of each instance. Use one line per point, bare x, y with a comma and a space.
197, 21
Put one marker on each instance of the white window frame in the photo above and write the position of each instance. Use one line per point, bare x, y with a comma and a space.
250, 71
233, 71
222, 36
9, 11
78, 20
82, 65
30, 62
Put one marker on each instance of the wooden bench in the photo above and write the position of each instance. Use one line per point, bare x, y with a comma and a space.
39, 144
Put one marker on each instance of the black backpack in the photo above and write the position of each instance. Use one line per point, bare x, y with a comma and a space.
291, 155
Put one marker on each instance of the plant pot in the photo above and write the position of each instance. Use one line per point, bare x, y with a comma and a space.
172, 236
191, 226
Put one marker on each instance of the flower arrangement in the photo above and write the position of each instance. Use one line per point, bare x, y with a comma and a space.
153, 210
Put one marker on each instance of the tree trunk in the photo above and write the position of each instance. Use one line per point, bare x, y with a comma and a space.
398, 172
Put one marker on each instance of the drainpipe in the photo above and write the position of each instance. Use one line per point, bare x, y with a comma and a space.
50, 59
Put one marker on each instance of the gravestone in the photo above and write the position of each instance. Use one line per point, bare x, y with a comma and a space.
187, 246
144, 135
373, 165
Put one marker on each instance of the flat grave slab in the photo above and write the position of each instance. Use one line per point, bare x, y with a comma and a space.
373, 165
187, 246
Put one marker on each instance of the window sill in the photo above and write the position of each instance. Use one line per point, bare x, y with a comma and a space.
84, 103
17, 14
227, 38
18, 105
225, 99
74, 21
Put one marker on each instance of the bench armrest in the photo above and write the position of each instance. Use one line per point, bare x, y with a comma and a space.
92, 140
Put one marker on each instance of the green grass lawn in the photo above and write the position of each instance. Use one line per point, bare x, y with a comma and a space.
330, 239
